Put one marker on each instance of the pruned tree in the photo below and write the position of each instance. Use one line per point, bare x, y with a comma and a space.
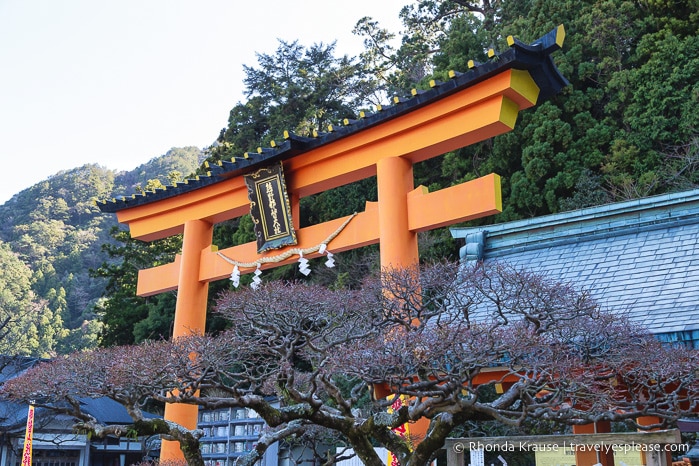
307, 358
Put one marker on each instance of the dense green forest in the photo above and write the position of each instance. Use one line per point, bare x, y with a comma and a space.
51, 236
626, 127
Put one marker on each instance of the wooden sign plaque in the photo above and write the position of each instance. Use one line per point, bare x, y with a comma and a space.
270, 208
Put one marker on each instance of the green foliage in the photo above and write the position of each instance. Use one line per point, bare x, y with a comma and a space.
297, 89
27, 326
128, 318
182, 160
56, 232
623, 129
338, 202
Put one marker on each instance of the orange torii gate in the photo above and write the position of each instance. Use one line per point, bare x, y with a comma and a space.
470, 107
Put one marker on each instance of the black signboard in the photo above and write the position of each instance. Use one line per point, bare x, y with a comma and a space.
270, 208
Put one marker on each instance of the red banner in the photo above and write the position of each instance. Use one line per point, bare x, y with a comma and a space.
29, 434
402, 430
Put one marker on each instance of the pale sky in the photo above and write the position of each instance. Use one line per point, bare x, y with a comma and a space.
119, 82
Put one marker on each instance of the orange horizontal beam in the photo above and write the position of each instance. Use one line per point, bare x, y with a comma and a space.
159, 279
467, 201
479, 112
214, 203
472, 199
361, 231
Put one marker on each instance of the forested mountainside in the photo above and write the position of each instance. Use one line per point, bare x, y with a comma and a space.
51, 236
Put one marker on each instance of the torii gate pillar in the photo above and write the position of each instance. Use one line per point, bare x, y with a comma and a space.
394, 177
192, 295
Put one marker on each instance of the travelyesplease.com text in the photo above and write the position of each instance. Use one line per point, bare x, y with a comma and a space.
461, 447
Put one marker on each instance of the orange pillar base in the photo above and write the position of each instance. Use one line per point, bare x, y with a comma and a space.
190, 319
185, 415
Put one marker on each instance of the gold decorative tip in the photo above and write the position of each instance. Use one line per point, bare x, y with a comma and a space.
510, 41
362, 114
272, 143
208, 173
452, 74
315, 133
286, 135
246, 155
232, 160
491, 53
379, 108
471, 64
330, 128
433, 83
206, 164
396, 99
413, 91
346, 122
259, 150
560, 35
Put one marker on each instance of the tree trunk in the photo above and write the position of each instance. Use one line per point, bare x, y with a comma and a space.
192, 453
439, 429
364, 450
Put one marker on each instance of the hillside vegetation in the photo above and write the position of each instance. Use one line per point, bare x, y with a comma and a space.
51, 236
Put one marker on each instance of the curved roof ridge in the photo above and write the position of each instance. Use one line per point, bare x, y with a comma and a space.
534, 58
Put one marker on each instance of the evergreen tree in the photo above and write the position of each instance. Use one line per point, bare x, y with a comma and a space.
296, 89
126, 317
625, 127
28, 327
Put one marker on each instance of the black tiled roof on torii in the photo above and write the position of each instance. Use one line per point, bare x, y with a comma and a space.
534, 58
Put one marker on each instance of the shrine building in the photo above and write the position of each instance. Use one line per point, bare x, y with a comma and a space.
639, 258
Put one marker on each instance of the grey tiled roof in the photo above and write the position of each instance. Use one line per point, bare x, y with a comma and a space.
14, 415
639, 257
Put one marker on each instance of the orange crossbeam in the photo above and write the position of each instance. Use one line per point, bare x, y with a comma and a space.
477, 198
479, 112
